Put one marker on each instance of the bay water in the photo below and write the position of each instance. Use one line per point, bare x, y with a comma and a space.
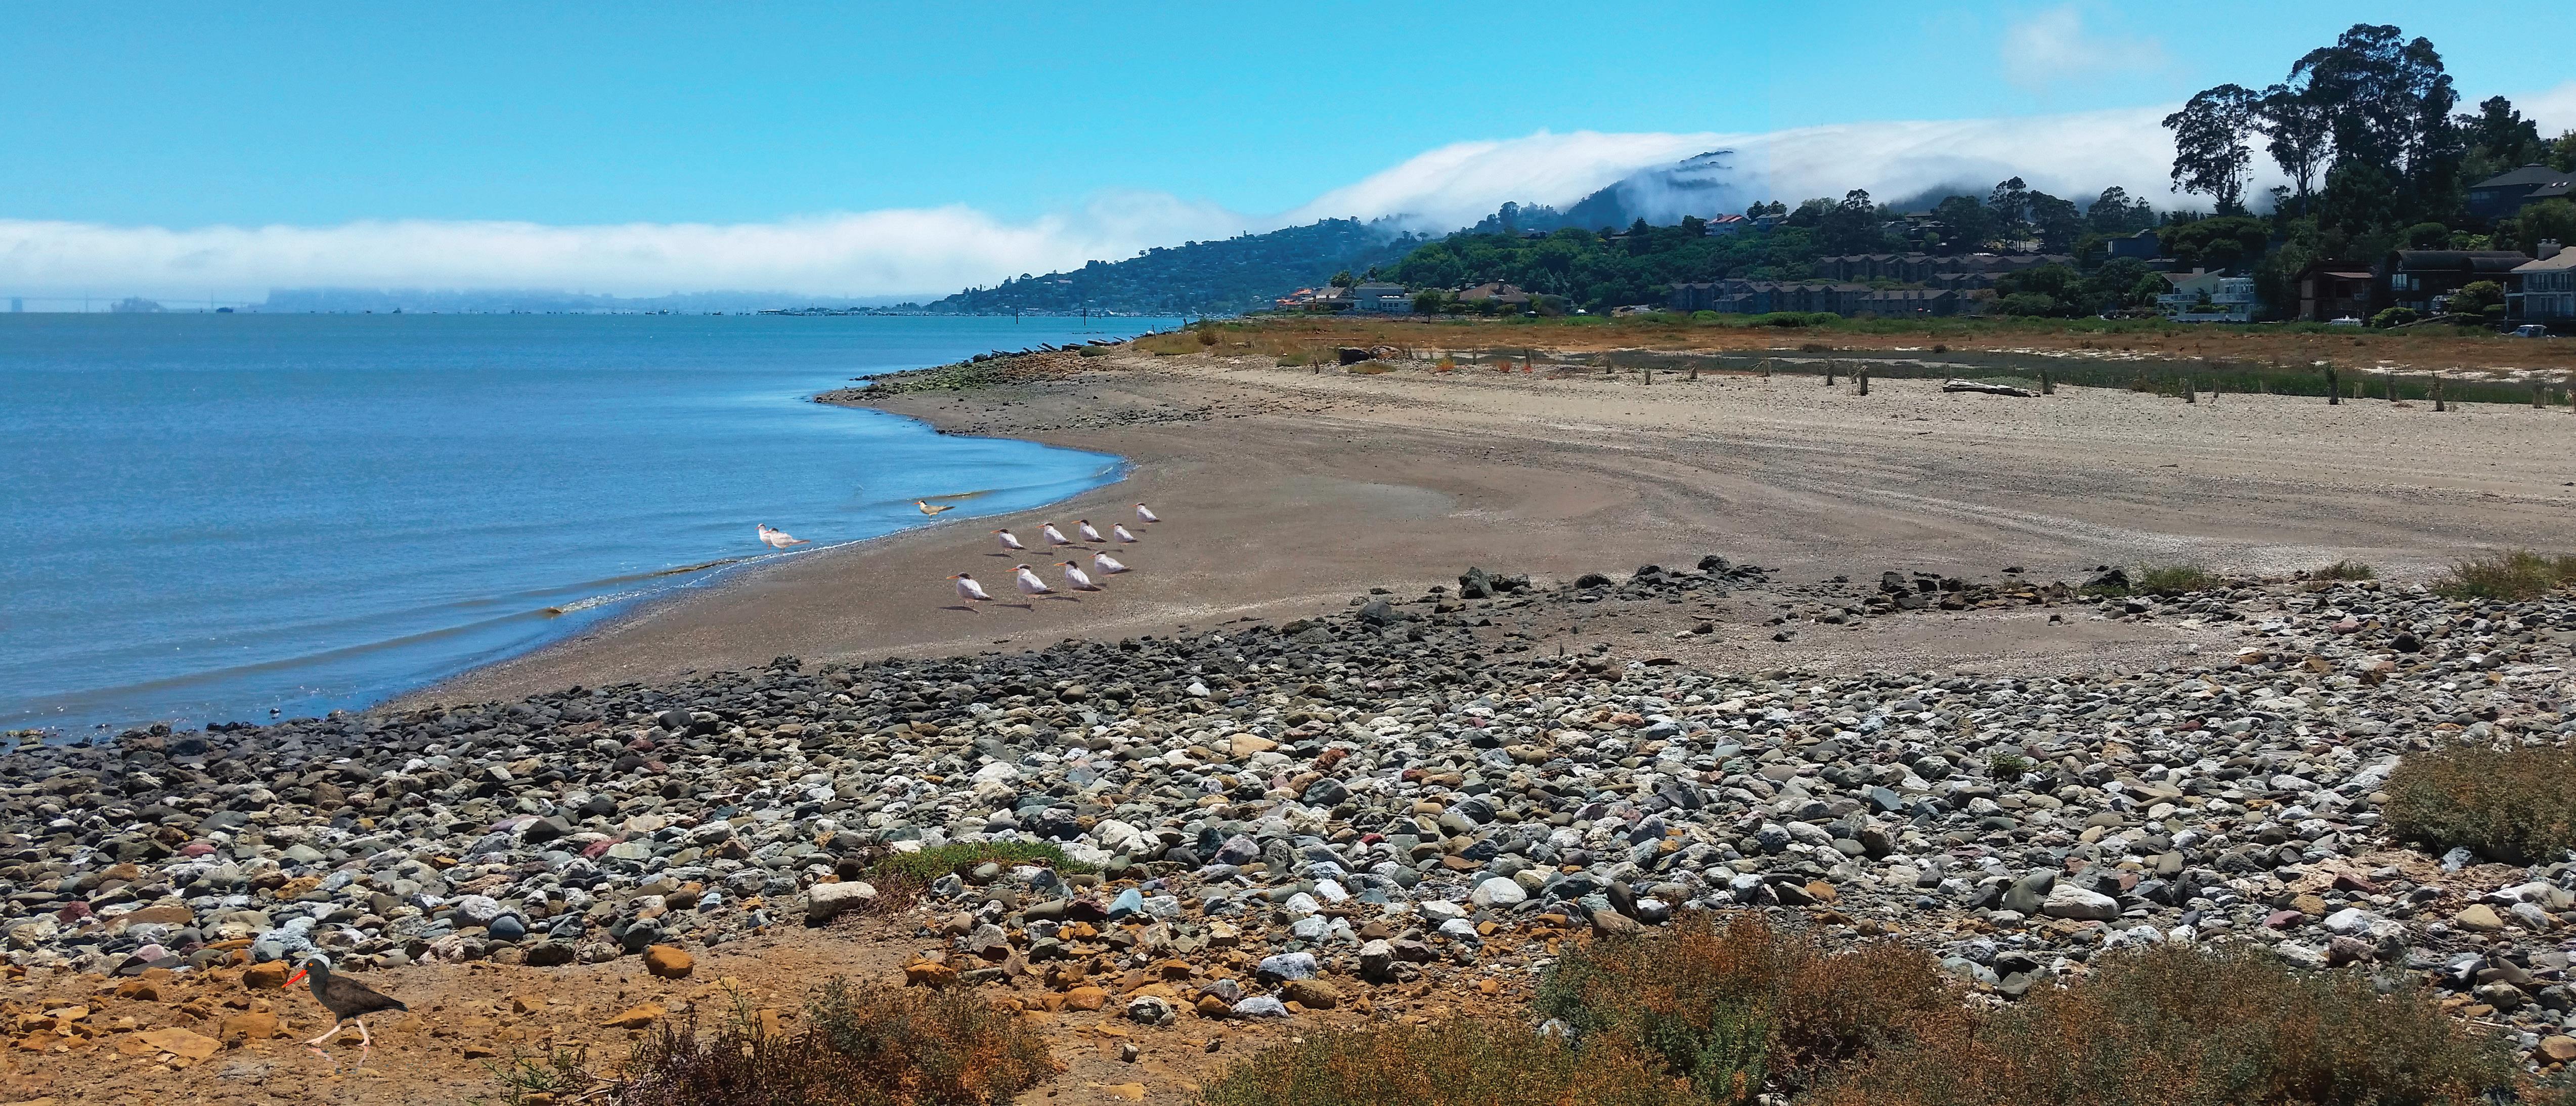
209, 518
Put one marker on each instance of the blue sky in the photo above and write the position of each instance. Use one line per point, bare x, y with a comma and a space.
316, 115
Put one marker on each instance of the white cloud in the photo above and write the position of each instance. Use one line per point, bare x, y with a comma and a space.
2054, 46
1458, 184
938, 250
2072, 155
891, 252
2554, 110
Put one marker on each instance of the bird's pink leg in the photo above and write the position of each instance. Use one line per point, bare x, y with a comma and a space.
327, 1034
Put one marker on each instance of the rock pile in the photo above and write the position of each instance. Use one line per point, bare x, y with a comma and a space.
1264, 819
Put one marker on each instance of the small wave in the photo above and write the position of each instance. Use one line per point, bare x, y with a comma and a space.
579, 605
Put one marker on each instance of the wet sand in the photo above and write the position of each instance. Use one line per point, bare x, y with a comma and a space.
1288, 492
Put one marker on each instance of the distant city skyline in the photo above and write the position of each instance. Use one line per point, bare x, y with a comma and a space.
198, 154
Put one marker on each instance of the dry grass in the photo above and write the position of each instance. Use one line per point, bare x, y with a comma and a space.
1468, 1063
2345, 570
2514, 577
860, 1046
1745, 1006
2182, 1026
2514, 805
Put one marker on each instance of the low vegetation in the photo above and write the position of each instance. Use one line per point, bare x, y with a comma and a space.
2516, 805
1728, 1015
2513, 576
2172, 579
2345, 570
1737, 1008
858, 1046
1465, 1063
2184, 1026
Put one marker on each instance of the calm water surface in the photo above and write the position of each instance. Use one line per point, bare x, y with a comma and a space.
209, 517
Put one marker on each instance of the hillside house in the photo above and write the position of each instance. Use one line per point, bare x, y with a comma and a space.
2331, 290
2505, 193
1503, 295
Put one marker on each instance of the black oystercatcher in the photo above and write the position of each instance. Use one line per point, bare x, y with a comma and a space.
347, 999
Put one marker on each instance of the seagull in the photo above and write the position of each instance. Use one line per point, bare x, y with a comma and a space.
1121, 532
1030, 585
1009, 542
967, 588
927, 509
347, 999
1053, 535
1145, 514
776, 539
1106, 565
1073, 575
1088, 534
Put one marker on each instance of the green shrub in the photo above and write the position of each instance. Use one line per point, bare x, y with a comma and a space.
939, 860
2516, 805
2395, 316
2514, 576
1737, 1008
2171, 579
2345, 570
2180, 1025
2007, 767
1465, 1063
860, 1046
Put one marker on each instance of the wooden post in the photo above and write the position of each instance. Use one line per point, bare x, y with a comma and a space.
2535, 397
1829, 374
2046, 386
1863, 377
1766, 368
2437, 393
2190, 390
2334, 388
1648, 372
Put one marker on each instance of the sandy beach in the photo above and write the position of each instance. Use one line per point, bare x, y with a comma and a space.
1287, 491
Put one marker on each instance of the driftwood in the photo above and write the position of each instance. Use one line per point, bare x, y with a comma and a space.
1982, 386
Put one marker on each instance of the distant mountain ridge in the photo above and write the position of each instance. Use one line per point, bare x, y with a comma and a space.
1227, 276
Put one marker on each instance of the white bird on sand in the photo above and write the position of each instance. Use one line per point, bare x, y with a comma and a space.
777, 539
967, 588
1009, 542
1088, 534
1121, 532
927, 509
1106, 565
1053, 535
1073, 575
1030, 585
1145, 514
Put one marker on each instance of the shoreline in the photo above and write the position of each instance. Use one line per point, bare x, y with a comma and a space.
1289, 492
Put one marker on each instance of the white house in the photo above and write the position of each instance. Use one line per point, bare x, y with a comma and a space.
2544, 291
1389, 299
2201, 296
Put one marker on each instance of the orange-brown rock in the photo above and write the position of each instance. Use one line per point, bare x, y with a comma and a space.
669, 962
929, 974
265, 977
1085, 998
637, 1017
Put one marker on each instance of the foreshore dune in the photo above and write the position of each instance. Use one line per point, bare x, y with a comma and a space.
1286, 491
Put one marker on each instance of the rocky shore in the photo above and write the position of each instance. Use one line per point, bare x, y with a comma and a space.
1263, 819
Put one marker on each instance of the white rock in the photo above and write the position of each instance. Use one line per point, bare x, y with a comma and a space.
2069, 901
1499, 892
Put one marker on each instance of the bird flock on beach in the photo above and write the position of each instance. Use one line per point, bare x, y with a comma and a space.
1026, 578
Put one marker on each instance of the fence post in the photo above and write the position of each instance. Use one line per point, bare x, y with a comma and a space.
2437, 393
2047, 387
2190, 389
1766, 368
1863, 377
1829, 374
2334, 388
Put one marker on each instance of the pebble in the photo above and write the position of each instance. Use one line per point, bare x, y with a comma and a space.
1359, 798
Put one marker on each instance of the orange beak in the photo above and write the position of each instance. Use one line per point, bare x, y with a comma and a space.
290, 980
